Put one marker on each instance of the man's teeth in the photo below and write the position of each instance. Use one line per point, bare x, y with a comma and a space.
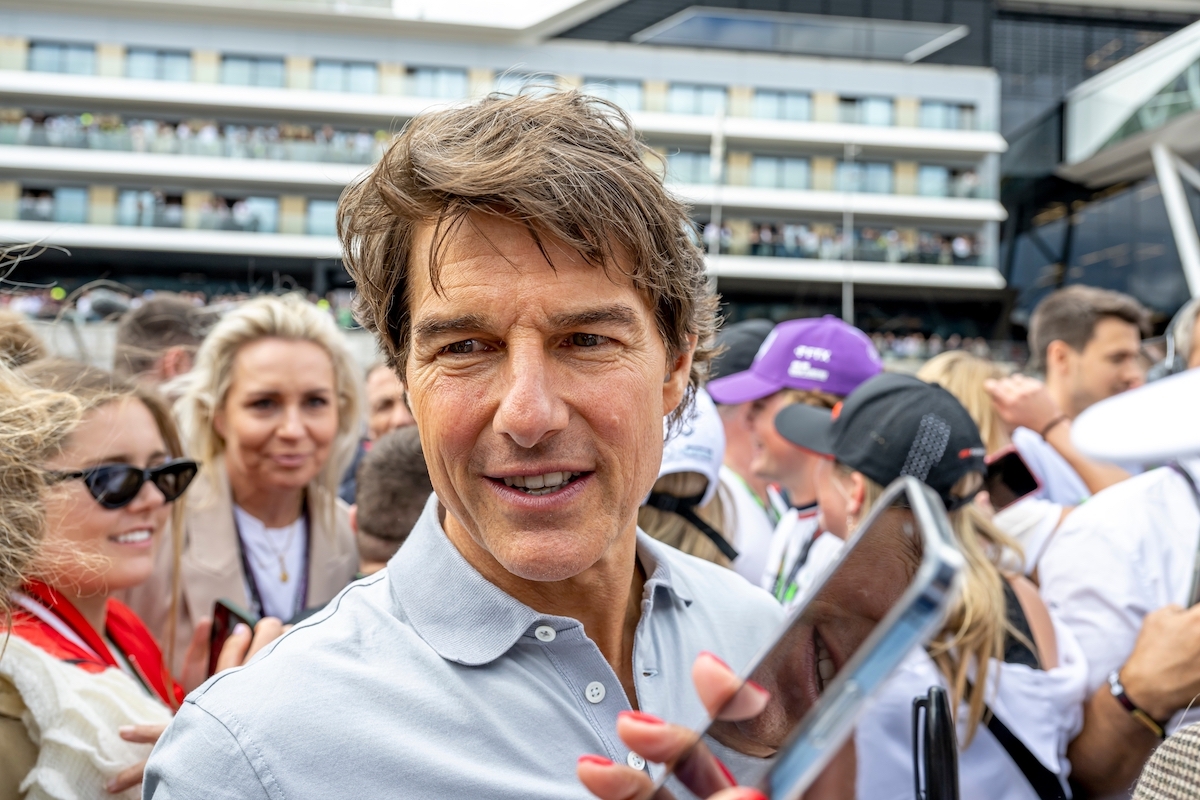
541, 484
825, 666
133, 537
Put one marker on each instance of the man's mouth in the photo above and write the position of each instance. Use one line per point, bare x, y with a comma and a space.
538, 485
826, 669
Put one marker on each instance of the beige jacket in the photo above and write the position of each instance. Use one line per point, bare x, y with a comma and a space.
211, 565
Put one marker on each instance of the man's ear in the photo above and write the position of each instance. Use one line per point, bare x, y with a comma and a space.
354, 517
175, 361
858, 492
679, 371
1058, 356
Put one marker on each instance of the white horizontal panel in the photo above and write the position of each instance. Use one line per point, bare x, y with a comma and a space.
803, 269
111, 165
170, 240
873, 205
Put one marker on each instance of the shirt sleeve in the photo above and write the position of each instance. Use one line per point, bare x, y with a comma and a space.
199, 758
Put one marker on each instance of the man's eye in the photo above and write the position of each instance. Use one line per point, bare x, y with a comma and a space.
465, 347
587, 340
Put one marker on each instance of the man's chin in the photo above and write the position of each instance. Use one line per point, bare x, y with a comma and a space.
539, 557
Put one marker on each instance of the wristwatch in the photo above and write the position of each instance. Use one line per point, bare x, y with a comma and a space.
1118, 691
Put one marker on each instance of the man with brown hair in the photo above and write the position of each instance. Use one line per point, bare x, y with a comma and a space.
393, 487
1087, 343
536, 287
157, 341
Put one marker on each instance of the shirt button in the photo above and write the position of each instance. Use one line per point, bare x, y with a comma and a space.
545, 633
635, 761
594, 692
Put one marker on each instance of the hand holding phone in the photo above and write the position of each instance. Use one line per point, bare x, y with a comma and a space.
226, 615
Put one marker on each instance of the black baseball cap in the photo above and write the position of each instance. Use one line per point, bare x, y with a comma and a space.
893, 425
740, 342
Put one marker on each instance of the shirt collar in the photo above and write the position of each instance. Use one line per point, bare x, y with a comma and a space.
464, 617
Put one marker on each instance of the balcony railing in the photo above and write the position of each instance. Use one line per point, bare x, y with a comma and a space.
879, 244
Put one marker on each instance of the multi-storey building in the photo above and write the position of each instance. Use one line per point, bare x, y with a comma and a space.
179, 143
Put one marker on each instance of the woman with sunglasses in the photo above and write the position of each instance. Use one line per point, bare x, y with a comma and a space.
82, 664
271, 409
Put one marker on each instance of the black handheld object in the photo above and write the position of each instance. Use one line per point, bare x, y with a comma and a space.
1008, 478
226, 616
935, 747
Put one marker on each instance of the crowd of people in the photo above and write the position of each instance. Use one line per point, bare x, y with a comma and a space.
517, 557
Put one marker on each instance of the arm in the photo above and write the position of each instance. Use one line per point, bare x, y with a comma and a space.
198, 758
1024, 402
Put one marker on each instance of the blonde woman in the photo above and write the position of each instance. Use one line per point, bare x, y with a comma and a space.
272, 411
1000, 654
963, 375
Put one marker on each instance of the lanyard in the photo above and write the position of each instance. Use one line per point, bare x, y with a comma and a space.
767, 508
256, 604
785, 588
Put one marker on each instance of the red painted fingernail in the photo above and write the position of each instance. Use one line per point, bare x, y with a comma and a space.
751, 794
638, 716
599, 761
758, 687
725, 771
714, 658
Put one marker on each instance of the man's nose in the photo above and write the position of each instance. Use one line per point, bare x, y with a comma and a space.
530, 409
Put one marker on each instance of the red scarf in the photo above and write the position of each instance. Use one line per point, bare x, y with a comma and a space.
124, 629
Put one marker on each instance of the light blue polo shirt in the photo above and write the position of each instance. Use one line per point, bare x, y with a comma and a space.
427, 681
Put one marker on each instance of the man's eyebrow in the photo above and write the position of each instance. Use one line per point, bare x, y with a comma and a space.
619, 313
430, 328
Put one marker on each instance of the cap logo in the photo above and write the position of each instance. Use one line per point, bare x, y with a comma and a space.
804, 352
971, 452
806, 371
928, 447
836, 412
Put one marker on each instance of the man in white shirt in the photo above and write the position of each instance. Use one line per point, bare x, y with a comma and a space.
1087, 342
1119, 572
813, 361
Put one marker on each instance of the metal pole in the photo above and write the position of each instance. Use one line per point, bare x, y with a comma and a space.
716, 174
850, 152
1179, 214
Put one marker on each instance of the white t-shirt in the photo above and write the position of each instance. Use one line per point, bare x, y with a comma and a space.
275, 553
1126, 552
1060, 482
747, 525
1032, 522
1044, 709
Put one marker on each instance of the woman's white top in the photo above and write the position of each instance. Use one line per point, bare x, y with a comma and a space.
1032, 521
264, 549
1043, 708
747, 526
73, 716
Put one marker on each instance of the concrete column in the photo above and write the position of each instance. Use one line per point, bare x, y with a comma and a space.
206, 66
908, 112
10, 199
738, 168
739, 236
194, 202
14, 52
655, 158
567, 82
905, 177
110, 60
480, 82
297, 72
293, 210
741, 101
825, 107
654, 95
102, 205
823, 171
393, 78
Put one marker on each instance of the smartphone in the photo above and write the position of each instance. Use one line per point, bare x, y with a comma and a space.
226, 615
887, 592
1008, 478
935, 747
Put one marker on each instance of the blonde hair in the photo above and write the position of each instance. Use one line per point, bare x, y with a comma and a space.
289, 317
33, 424
976, 627
19, 344
962, 375
92, 388
672, 529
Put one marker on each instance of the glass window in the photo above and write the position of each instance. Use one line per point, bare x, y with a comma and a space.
795, 174
877, 178
71, 59
771, 104
70, 205
260, 214
764, 172
625, 93
848, 176
527, 82
155, 65
933, 181
690, 98
341, 76
135, 207
440, 82
771, 172
689, 167
246, 71
947, 116
876, 111
362, 78
322, 218
328, 76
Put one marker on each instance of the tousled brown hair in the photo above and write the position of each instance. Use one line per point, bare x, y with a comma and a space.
1071, 315
567, 166
164, 321
393, 485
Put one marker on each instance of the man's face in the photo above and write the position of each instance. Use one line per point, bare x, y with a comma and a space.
386, 409
775, 458
1108, 364
550, 377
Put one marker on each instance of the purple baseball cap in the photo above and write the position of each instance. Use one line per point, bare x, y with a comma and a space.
825, 354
